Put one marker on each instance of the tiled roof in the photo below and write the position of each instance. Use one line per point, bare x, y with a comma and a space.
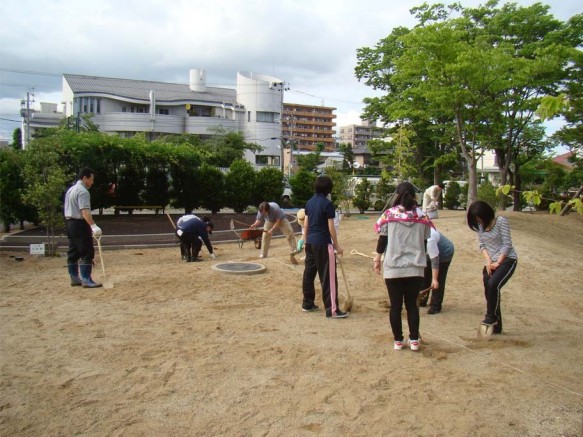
564, 160
140, 90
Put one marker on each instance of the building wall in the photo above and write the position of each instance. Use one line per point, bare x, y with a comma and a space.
307, 125
257, 112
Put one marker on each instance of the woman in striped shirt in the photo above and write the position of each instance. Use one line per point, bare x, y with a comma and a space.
495, 245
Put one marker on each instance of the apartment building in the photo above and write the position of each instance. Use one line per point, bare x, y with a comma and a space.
358, 135
307, 125
127, 106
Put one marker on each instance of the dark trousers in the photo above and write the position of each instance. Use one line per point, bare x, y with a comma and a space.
190, 245
80, 242
436, 295
493, 285
320, 260
404, 290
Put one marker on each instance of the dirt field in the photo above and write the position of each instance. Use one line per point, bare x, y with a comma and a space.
180, 349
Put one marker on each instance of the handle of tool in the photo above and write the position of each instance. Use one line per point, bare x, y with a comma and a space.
171, 221
343, 275
101, 256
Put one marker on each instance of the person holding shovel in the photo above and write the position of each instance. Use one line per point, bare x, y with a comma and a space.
273, 217
192, 233
80, 229
321, 247
403, 229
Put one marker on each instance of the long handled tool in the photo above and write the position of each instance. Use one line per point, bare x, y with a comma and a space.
349, 298
107, 282
422, 294
171, 221
355, 252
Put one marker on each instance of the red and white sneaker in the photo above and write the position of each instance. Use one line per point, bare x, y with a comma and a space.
414, 345
398, 345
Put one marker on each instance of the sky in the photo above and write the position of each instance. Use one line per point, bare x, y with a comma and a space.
309, 44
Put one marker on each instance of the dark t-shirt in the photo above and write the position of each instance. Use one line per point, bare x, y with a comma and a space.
319, 209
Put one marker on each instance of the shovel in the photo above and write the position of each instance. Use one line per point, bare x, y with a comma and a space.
107, 282
349, 298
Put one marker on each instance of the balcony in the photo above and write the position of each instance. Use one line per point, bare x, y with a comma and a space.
139, 122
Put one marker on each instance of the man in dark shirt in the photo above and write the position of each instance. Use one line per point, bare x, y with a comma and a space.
192, 233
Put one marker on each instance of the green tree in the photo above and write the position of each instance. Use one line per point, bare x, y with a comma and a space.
269, 185
239, 185
341, 192
362, 195
348, 156
11, 187
17, 139
451, 200
46, 182
212, 188
480, 71
302, 184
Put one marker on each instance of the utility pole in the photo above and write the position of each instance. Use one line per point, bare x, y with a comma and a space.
25, 113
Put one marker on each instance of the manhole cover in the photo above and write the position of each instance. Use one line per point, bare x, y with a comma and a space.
239, 268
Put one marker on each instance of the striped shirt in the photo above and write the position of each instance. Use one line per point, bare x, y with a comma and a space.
497, 241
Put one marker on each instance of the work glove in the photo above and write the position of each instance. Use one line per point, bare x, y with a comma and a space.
179, 232
300, 245
213, 256
96, 230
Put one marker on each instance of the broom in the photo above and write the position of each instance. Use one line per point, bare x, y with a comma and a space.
349, 298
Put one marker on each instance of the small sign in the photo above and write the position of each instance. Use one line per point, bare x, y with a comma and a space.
37, 249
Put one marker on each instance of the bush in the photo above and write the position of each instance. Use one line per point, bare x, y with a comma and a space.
362, 193
379, 205
487, 193
451, 199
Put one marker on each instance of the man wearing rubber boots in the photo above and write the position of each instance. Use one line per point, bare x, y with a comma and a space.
80, 229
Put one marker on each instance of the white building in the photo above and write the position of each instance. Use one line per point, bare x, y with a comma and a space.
126, 107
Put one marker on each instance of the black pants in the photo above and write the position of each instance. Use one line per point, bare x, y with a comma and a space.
436, 295
493, 285
404, 290
190, 245
320, 260
80, 242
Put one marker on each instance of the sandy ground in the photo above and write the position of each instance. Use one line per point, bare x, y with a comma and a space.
180, 349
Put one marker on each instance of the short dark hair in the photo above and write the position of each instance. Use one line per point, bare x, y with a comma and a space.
85, 172
209, 224
405, 196
441, 185
323, 185
479, 210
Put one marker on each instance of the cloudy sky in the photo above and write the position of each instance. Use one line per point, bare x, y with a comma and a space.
310, 44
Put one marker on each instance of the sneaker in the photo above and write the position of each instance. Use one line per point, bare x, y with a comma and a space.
433, 310
414, 345
310, 309
398, 345
338, 315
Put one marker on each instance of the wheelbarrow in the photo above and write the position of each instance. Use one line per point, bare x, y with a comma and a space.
248, 235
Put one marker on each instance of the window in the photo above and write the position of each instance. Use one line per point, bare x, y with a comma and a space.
163, 111
261, 159
268, 117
